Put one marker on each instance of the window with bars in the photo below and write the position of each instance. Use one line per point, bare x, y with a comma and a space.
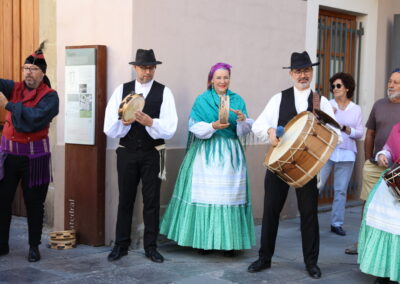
339, 45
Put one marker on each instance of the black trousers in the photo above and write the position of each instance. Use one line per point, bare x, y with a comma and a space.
276, 191
133, 167
15, 169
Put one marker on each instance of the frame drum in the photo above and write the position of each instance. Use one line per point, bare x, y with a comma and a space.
130, 105
223, 109
302, 151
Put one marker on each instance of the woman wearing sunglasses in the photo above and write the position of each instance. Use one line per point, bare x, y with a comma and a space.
348, 114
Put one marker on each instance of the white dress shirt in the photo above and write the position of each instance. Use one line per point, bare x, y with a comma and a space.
270, 115
163, 127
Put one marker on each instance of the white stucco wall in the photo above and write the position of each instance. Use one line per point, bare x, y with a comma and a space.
47, 31
93, 22
89, 22
256, 37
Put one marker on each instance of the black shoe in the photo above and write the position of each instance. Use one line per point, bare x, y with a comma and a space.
154, 255
260, 264
117, 253
34, 254
314, 271
338, 231
5, 249
381, 280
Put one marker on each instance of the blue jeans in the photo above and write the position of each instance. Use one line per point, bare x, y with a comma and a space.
341, 175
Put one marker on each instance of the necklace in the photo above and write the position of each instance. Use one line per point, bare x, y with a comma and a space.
343, 106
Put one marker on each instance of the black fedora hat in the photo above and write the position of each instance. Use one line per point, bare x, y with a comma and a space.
145, 57
300, 60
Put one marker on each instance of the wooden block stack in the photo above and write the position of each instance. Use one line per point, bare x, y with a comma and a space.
62, 239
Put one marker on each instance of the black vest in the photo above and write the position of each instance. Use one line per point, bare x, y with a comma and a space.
287, 109
137, 137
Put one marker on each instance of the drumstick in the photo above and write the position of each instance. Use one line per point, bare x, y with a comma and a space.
280, 130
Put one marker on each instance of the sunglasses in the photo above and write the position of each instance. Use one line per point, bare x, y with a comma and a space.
337, 86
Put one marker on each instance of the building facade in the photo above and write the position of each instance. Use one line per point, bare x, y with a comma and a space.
256, 37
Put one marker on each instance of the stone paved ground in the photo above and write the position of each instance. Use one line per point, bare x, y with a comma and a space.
86, 264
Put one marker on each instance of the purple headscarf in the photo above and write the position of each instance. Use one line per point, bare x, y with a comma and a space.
219, 65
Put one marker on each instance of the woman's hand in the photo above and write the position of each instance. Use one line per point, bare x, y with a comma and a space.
219, 125
239, 114
383, 161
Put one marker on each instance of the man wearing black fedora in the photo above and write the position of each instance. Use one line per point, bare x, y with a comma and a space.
279, 111
140, 154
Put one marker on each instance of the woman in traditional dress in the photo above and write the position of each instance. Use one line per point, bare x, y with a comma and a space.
210, 208
379, 239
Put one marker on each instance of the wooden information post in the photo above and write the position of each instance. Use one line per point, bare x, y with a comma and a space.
85, 142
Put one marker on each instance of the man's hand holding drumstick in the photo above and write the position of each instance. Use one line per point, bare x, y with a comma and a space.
274, 135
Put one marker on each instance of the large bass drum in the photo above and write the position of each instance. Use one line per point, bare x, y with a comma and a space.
302, 151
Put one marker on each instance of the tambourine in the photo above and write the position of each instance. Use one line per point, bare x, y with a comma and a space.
223, 114
131, 104
326, 118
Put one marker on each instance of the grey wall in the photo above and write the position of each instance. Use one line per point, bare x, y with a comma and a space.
395, 55
190, 36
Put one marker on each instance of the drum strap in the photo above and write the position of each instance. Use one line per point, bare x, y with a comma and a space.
316, 101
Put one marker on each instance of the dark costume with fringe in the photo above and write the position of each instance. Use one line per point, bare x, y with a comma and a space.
25, 150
